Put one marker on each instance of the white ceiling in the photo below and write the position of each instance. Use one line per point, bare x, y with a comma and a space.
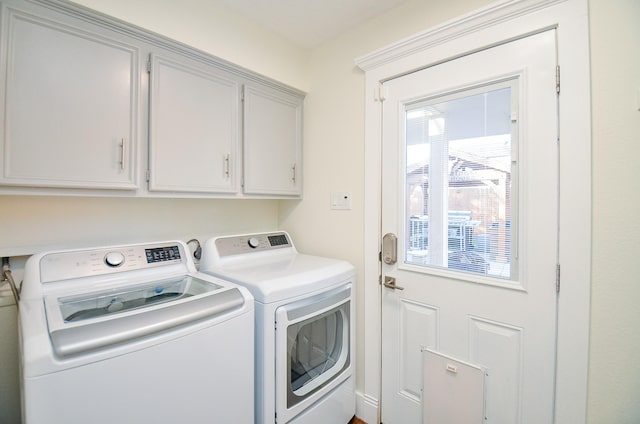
308, 23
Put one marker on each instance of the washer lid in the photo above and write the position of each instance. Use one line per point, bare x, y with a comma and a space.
277, 277
86, 322
110, 302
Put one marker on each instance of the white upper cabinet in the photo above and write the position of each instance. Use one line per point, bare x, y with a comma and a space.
94, 106
70, 99
272, 142
194, 127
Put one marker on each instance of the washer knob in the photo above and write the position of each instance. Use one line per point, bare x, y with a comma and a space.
254, 242
114, 259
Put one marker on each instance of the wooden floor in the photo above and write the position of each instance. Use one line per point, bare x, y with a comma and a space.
356, 420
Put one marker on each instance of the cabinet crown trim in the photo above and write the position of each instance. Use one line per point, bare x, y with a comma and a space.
158, 40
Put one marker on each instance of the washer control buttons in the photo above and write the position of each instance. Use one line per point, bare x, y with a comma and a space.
254, 242
114, 259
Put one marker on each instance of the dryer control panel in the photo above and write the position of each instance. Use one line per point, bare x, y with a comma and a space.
250, 243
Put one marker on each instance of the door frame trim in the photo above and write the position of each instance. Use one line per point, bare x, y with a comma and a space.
486, 27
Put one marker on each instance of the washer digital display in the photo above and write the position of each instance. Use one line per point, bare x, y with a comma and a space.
162, 254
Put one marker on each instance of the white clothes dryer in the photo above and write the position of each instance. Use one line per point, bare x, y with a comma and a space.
305, 340
133, 334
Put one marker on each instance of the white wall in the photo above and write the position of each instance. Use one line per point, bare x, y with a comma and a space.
35, 223
614, 371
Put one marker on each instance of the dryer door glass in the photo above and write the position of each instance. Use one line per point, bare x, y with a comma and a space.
318, 350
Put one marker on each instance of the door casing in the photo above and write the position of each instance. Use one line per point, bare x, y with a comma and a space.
495, 24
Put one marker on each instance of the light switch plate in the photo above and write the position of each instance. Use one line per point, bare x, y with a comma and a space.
340, 200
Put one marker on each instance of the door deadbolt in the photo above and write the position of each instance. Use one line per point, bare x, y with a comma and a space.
390, 248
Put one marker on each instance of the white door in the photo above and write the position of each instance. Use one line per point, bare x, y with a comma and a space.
470, 188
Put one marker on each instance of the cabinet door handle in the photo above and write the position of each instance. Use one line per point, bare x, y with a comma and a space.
226, 166
123, 149
293, 173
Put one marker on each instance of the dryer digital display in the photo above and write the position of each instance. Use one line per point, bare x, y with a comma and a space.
278, 240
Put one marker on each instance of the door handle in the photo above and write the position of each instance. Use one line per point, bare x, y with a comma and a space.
390, 282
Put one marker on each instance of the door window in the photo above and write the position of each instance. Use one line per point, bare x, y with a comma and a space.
461, 162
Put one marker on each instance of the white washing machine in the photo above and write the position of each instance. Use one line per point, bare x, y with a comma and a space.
133, 334
305, 332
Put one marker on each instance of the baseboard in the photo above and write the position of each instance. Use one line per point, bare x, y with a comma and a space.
367, 408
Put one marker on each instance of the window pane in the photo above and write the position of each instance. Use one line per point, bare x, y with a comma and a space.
459, 155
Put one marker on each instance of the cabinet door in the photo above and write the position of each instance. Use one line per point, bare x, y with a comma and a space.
272, 142
70, 104
194, 127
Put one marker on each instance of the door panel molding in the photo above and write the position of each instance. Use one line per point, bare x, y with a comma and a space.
422, 321
489, 336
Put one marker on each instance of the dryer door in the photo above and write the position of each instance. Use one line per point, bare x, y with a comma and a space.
312, 349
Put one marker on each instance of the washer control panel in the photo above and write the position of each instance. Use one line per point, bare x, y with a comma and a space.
250, 243
84, 263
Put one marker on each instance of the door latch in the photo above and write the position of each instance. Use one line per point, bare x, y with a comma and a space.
390, 282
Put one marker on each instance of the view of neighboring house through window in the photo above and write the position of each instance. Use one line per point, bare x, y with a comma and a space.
461, 191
